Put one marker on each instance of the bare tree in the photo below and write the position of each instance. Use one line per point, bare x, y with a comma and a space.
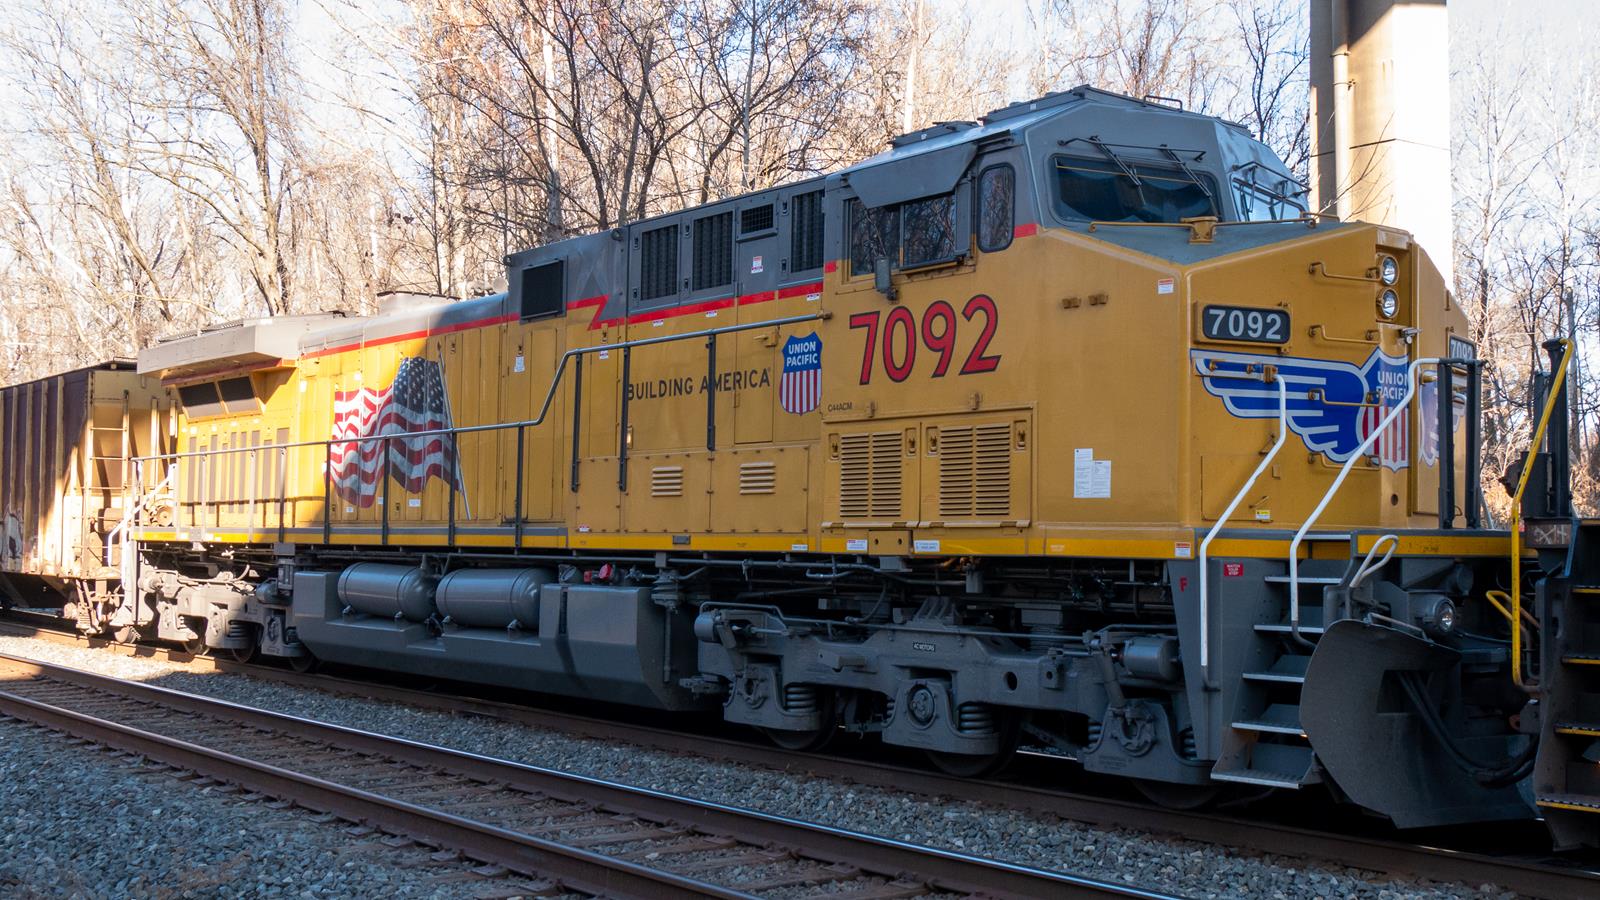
219, 87
1274, 38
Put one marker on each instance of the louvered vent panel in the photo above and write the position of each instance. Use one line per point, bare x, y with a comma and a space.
666, 481
658, 263
805, 240
758, 478
975, 471
713, 251
869, 475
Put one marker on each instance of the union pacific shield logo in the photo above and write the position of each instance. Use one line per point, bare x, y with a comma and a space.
800, 385
1332, 405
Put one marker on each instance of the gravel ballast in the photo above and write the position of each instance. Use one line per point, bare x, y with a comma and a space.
1185, 867
80, 822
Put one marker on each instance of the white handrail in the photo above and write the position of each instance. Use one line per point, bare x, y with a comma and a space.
1367, 567
1222, 520
1372, 437
133, 513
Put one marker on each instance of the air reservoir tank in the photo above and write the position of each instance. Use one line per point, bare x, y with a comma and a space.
493, 598
390, 591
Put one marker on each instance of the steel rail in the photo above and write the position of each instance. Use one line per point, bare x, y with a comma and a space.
1367, 853
940, 870
577, 869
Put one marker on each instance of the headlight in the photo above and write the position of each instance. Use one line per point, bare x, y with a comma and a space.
1441, 620
1388, 304
1389, 270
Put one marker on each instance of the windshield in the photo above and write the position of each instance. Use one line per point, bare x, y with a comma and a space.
1263, 195
1100, 191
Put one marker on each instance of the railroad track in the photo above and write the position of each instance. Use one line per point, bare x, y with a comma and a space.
1536, 878
583, 834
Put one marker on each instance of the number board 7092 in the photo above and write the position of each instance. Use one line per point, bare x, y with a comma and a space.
1244, 323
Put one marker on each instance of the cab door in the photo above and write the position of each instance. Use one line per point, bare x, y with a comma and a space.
528, 362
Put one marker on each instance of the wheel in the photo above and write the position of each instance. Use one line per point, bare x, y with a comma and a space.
970, 765
979, 765
809, 739
801, 741
194, 646
127, 634
242, 654
303, 663
1177, 796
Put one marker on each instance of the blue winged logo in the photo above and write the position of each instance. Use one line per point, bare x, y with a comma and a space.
1333, 405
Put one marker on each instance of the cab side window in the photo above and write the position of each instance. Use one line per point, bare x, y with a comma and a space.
997, 189
910, 234
874, 235
929, 230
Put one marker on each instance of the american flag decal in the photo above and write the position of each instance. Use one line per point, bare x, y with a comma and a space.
1391, 447
1428, 405
800, 385
414, 401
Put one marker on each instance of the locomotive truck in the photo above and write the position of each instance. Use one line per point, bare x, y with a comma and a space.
1070, 427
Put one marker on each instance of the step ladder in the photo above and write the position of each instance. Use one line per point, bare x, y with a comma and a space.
103, 479
1265, 744
1567, 772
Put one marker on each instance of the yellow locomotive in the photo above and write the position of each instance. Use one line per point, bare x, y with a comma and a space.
1068, 427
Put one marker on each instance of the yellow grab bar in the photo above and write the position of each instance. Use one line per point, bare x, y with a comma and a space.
1501, 601
1516, 511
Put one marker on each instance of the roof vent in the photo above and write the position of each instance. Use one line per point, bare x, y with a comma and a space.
399, 301
932, 131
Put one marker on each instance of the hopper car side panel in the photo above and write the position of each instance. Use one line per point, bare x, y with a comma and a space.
66, 442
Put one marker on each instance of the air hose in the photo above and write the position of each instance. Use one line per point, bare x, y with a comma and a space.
1493, 775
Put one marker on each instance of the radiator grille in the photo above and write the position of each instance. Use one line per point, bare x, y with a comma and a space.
758, 478
658, 263
869, 475
975, 471
805, 239
713, 251
666, 481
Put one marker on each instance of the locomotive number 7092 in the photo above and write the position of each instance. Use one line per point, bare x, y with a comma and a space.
1243, 323
900, 330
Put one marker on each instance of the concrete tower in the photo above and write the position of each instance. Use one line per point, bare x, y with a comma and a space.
1380, 116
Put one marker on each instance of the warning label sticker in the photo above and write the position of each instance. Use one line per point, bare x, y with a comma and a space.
1091, 478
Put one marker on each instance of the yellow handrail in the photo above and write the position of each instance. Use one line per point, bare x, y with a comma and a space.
1501, 601
1516, 511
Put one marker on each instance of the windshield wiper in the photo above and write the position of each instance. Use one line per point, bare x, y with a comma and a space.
1127, 171
1116, 160
1210, 197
